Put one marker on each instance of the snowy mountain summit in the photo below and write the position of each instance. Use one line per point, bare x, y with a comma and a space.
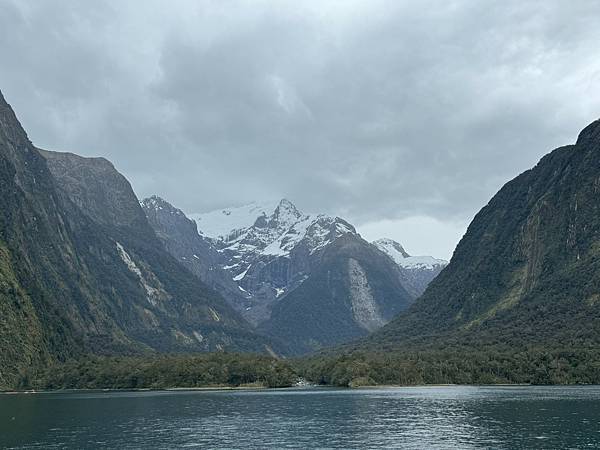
257, 254
267, 248
395, 251
269, 229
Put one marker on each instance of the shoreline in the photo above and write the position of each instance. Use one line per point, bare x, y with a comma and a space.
169, 389
265, 388
166, 389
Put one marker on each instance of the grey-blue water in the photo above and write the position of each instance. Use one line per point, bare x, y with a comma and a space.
423, 418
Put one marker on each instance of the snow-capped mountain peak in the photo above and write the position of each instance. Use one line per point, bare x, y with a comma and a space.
259, 253
268, 228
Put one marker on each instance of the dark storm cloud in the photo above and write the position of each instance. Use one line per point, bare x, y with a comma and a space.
375, 110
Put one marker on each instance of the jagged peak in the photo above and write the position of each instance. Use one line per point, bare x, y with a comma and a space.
154, 200
590, 134
287, 209
334, 223
156, 203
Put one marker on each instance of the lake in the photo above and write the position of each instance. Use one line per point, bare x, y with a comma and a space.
411, 417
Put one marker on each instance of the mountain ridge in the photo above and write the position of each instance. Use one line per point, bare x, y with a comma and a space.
527, 270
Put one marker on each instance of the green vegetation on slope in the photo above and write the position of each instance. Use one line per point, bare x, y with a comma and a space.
20, 341
527, 271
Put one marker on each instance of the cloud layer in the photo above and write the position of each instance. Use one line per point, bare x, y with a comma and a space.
388, 113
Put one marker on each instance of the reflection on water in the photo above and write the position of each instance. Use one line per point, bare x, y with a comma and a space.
425, 417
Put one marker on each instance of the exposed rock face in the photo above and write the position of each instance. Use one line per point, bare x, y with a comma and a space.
195, 252
96, 187
527, 272
364, 308
81, 270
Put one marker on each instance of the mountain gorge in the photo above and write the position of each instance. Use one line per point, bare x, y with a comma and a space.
296, 276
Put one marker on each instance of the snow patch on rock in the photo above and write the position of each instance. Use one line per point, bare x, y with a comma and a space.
152, 293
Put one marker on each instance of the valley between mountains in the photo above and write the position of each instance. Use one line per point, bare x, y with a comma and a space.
310, 281
87, 270
99, 289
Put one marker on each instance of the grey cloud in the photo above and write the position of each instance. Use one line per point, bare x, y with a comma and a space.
372, 110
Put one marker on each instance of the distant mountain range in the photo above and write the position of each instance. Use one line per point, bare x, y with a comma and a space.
266, 259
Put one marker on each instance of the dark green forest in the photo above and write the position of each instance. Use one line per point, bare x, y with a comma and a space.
457, 365
164, 371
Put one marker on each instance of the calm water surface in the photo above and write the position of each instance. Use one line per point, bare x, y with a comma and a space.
424, 418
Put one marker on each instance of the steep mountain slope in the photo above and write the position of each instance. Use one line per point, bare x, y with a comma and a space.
196, 252
527, 272
420, 270
36, 257
193, 316
352, 291
81, 270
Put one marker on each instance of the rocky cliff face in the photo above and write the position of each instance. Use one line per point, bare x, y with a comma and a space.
527, 272
81, 270
98, 189
192, 250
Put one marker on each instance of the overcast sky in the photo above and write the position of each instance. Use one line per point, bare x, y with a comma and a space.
403, 117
